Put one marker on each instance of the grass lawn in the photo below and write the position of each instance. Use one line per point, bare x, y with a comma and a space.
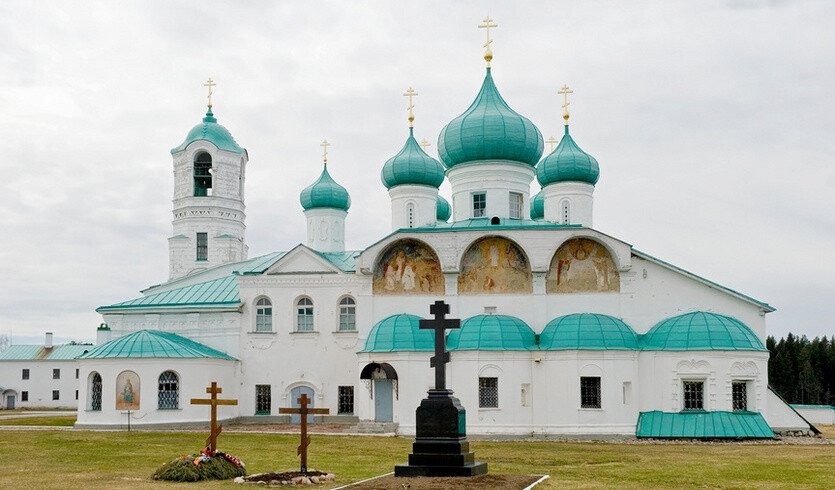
121, 460
55, 421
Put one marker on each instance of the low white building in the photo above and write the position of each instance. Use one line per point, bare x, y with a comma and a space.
817, 414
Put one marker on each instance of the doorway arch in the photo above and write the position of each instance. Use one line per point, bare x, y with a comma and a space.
382, 378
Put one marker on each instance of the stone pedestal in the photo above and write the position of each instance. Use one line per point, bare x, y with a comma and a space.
441, 447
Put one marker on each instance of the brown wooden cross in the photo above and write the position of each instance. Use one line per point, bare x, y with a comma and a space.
214, 401
304, 411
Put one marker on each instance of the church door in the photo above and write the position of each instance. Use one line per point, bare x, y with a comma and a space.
383, 408
10, 400
295, 394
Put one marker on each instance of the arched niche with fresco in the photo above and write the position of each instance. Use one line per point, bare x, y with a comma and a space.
582, 265
495, 265
408, 267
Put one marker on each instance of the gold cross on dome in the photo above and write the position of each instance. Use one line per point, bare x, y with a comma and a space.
486, 24
410, 93
425, 144
551, 142
324, 144
564, 91
210, 83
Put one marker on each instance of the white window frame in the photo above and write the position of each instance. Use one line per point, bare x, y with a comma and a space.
304, 311
263, 315
517, 201
347, 314
479, 212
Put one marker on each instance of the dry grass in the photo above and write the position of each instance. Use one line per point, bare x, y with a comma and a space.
828, 430
52, 421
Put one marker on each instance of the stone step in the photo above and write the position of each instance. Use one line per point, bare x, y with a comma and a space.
372, 427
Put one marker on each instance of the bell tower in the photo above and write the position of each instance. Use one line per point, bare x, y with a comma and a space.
208, 205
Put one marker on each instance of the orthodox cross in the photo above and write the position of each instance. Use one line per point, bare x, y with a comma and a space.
564, 91
439, 324
425, 144
210, 83
411, 93
486, 24
324, 144
551, 142
303, 411
214, 401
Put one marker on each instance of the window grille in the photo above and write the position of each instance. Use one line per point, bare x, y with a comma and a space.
24, 396
24, 374
590, 392
304, 315
479, 205
56, 394
566, 213
169, 391
76, 395
202, 246
740, 395
202, 174
56, 374
77, 372
263, 399
347, 314
488, 392
95, 393
346, 400
515, 205
263, 315
694, 395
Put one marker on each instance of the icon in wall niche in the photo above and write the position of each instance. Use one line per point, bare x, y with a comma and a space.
582, 265
408, 267
494, 265
127, 391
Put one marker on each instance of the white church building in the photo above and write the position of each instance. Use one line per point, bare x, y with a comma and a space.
565, 329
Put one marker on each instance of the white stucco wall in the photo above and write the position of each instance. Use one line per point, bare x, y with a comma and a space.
40, 384
824, 414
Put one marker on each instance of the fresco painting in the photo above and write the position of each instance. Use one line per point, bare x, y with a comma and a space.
408, 267
494, 265
127, 391
582, 265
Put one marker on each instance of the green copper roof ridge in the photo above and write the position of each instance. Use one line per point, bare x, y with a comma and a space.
412, 165
568, 163
325, 192
660, 336
209, 130
149, 343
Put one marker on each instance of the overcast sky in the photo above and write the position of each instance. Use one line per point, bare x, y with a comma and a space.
712, 122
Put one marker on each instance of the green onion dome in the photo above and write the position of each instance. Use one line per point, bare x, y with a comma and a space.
325, 193
442, 210
412, 166
588, 331
492, 332
567, 163
701, 331
538, 206
212, 132
490, 130
399, 333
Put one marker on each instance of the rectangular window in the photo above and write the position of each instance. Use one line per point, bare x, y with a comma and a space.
488, 392
24, 396
55, 394
516, 205
263, 400
627, 392
479, 205
24, 374
346, 400
56, 374
347, 315
740, 396
202, 246
694, 395
590, 392
76, 394
76, 373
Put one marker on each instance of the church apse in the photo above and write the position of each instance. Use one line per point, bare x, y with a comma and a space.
582, 265
495, 265
408, 267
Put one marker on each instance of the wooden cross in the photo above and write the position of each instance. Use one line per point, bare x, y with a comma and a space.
564, 91
324, 144
425, 144
486, 24
210, 83
304, 411
551, 142
410, 93
214, 401
439, 324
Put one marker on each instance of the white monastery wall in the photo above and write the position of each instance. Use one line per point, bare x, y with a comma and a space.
40, 385
823, 414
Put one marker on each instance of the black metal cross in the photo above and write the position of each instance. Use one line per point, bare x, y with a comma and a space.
440, 324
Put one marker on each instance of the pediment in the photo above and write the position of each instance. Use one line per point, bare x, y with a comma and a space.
302, 260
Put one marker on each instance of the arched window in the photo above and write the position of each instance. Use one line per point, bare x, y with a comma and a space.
347, 314
304, 315
202, 174
566, 212
410, 215
169, 391
95, 392
263, 315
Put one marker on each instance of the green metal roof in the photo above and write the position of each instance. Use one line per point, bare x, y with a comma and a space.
412, 166
343, 260
325, 193
214, 293
703, 425
567, 163
63, 352
490, 130
492, 332
154, 344
212, 132
538, 206
701, 330
801, 405
443, 211
588, 331
399, 333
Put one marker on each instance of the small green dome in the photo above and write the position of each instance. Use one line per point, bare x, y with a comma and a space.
153, 344
538, 206
567, 163
412, 166
212, 132
325, 193
490, 130
442, 210
588, 331
701, 331
492, 332
399, 333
